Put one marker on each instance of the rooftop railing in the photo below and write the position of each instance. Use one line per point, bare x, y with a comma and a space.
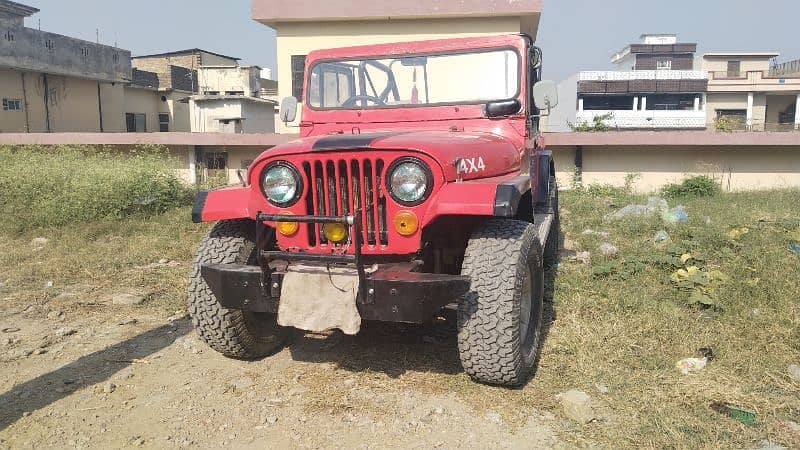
611, 75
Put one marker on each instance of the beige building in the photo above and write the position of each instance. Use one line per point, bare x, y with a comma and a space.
51, 83
306, 25
751, 92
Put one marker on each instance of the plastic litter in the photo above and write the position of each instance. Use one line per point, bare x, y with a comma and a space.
630, 210
675, 215
657, 204
607, 249
794, 372
689, 365
591, 232
661, 236
654, 204
744, 416
737, 233
795, 247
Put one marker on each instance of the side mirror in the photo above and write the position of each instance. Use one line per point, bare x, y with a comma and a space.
545, 95
503, 108
288, 110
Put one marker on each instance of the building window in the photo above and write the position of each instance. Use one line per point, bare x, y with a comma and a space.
211, 93
12, 104
670, 102
736, 118
136, 123
216, 160
234, 92
734, 69
230, 125
163, 122
663, 64
298, 68
608, 103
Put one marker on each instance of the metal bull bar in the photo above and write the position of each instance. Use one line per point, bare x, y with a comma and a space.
355, 231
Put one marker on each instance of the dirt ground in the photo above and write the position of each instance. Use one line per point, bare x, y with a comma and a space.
82, 373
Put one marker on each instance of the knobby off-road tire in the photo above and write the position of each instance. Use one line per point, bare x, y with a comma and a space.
494, 344
234, 333
553, 242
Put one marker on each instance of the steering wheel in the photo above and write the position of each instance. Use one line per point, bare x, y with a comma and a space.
356, 98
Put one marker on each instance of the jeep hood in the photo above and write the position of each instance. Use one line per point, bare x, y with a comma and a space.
477, 154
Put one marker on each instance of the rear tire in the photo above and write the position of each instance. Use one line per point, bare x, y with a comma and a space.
500, 319
234, 333
554, 238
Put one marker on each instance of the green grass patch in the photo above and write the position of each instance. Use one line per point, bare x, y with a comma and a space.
51, 186
726, 279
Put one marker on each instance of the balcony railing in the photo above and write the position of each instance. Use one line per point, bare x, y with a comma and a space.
753, 75
623, 119
610, 75
787, 69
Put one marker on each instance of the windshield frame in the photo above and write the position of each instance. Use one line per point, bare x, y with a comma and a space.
520, 77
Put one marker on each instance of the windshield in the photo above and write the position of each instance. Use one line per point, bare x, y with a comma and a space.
405, 81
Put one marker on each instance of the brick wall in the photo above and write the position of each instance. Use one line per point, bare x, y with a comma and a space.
163, 66
646, 61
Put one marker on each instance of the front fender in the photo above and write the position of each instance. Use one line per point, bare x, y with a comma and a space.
222, 204
490, 197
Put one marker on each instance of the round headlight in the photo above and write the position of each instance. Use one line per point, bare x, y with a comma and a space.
410, 181
281, 184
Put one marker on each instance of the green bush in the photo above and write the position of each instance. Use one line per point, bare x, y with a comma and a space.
698, 186
598, 124
44, 186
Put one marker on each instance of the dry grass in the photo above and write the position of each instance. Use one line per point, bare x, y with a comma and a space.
625, 332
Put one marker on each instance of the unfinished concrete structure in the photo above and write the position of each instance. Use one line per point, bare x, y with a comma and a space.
230, 101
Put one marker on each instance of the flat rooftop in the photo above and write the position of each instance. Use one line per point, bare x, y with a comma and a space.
275, 12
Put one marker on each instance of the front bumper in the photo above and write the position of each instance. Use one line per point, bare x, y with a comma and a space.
386, 294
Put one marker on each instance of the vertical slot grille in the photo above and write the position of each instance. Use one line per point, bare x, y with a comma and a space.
340, 187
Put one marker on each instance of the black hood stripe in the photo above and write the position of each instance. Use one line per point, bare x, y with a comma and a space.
348, 141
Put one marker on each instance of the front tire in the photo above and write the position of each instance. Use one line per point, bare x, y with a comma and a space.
234, 333
500, 319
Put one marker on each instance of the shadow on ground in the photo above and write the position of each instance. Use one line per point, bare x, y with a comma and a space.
394, 349
86, 371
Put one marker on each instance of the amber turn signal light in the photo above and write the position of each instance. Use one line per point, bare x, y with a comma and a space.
334, 232
288, 228
406, 223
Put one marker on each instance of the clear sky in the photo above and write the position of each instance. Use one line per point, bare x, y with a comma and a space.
574, 34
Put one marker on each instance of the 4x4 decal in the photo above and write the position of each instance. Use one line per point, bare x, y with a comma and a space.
470, 165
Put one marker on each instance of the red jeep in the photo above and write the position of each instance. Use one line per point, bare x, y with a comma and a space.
420, 180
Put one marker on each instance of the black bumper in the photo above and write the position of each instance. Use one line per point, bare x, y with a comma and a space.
386, 296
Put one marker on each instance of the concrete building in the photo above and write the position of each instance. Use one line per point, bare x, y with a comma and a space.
656, 86
176, 75
746, 91
229, 101
306, 25
47, 78
55, 83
